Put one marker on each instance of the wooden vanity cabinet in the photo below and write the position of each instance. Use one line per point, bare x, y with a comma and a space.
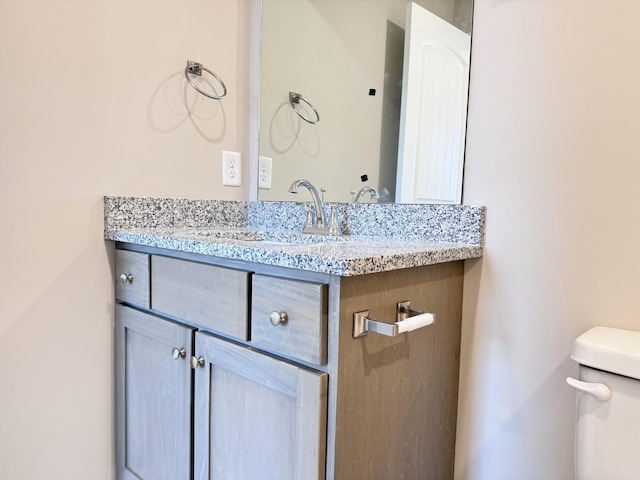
255, 416
296, 400
191, 404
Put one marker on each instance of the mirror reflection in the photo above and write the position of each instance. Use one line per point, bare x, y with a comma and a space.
348, 104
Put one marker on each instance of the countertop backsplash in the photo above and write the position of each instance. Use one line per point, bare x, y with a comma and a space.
431, 223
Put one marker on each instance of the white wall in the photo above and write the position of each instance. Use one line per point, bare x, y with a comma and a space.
91, 103
553, 153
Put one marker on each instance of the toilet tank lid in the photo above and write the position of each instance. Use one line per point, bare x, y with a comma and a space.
610, 349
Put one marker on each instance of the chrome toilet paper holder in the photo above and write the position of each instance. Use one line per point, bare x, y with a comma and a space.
407, 320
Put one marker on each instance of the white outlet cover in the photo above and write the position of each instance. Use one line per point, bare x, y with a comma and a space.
264, 172
231, 169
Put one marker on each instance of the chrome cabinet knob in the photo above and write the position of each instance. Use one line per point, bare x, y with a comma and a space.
278, 318
126, 278
197, 362
178, 353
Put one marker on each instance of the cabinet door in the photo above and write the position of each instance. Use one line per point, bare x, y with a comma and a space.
256, 417
153, 397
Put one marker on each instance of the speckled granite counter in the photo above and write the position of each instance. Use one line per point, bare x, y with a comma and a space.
376, 237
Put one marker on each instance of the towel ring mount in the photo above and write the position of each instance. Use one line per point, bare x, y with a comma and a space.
196, 68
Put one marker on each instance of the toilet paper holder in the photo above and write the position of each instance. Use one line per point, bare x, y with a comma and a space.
408, 319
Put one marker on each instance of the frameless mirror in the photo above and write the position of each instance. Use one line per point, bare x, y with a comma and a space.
364, 93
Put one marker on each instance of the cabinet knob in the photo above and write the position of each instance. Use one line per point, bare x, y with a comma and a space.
126, 278
278, 318
197, 362
178, 353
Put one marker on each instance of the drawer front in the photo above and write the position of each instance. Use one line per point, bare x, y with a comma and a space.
212, 297
304, 334
132, 278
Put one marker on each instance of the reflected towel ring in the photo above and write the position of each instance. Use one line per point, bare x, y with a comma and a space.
196, 69
294, 100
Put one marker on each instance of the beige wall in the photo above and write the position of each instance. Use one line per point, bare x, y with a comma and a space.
553, 153
312, 48
91, 103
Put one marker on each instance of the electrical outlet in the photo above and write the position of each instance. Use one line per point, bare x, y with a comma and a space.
231, 169
264, 173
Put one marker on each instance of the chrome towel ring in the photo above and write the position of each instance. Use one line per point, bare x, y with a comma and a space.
196, 69
294, 100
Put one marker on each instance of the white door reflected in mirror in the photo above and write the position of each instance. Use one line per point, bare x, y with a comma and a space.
433, 119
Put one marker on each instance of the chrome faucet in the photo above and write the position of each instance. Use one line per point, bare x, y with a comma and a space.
319, 225
363, 190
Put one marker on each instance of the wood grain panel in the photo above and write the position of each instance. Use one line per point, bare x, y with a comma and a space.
304, 335
212, 297
257, 417
397, 397
153, 392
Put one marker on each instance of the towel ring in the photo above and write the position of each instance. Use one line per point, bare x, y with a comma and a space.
196, 69
294, 100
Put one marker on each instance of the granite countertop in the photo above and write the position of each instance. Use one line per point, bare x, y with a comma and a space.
375, 238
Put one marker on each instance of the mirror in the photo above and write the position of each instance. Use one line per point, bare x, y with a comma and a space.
358, 121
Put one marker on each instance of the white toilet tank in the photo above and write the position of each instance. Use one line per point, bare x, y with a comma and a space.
608, 407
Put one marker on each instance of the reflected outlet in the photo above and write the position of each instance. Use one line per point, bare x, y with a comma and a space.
264, 173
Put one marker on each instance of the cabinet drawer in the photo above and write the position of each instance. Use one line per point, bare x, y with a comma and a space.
304, 334
132, 278
212, 297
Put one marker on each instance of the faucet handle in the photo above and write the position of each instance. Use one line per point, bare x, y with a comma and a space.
309, 221
334, 229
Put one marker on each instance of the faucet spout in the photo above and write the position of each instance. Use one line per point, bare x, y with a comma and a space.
363, 190
317, 201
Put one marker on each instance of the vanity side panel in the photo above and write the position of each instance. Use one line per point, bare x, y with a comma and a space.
397, 397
